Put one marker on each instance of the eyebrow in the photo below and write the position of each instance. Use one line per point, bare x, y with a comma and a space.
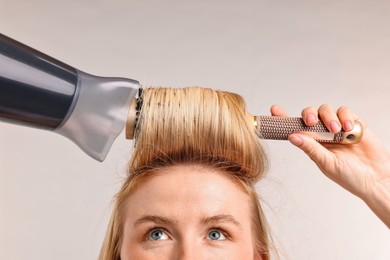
156, 219
220, 219
160, 220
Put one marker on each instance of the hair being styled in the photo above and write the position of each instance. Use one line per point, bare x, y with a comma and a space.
193, 126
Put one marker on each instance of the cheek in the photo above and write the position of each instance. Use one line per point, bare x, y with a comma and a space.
136, 251
179, 251
244, 248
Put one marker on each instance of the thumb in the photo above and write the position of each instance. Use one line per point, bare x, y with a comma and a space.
318, 153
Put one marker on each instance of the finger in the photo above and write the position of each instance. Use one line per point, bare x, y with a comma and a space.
278, 111
330, 119
310, 116
346, 118
355, 117
318, 153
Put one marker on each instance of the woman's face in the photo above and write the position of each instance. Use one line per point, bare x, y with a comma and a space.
187, 212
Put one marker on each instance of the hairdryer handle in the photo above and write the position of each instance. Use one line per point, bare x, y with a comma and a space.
36, 90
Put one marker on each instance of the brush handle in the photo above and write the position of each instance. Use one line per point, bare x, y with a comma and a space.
279, 128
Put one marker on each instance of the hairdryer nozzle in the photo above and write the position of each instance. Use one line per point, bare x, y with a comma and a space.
99, 113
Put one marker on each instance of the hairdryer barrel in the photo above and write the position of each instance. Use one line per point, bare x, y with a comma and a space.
39, 91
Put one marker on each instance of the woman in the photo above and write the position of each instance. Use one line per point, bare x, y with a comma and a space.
190, 189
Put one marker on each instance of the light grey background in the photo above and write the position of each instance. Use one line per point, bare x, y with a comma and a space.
55, 201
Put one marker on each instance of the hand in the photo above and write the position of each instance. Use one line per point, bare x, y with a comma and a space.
362, 168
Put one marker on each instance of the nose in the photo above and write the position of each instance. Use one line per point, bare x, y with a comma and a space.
189, 250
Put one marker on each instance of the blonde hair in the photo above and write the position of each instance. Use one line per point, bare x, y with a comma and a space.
193, 126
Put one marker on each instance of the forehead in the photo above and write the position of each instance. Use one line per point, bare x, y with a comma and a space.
188, 192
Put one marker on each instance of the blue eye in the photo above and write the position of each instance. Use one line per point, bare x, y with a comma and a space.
158, 234
216, 235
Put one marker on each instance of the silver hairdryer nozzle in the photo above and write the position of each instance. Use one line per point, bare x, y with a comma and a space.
99, 113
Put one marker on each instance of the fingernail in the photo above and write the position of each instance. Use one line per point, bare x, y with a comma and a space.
295, 140
335, 127
348, 126
311, 119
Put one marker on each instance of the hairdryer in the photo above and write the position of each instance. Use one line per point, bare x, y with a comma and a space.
39, 91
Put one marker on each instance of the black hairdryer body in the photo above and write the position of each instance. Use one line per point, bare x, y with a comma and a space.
39, 91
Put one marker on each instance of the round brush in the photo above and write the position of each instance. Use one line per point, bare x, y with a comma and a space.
267, 127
